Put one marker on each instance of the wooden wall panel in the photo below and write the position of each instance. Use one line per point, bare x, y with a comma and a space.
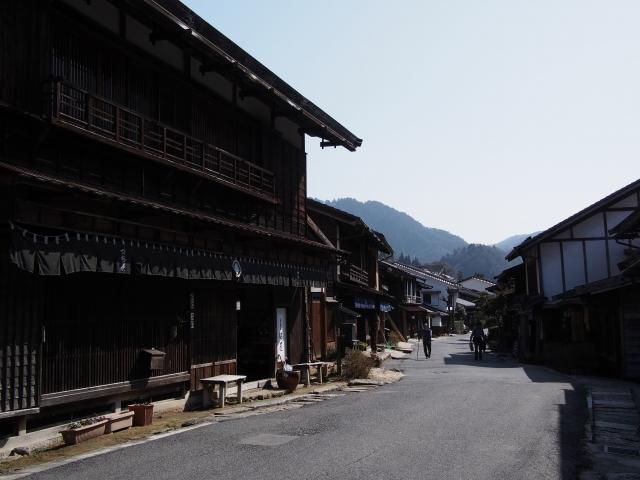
211, 370
296, 324
214, 335
96, 64
317, 327
96, 326
23, 34
19, 337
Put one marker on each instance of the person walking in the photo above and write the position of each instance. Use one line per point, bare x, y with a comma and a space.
426, 339
478, 339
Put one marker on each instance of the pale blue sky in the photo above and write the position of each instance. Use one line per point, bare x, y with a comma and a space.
485, 118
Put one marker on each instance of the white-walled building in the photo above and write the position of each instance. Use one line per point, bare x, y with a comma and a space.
584, 304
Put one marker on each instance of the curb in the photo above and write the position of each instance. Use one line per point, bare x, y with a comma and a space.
84, 456
199, 423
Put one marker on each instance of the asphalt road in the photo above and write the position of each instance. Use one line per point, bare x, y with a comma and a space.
451, 417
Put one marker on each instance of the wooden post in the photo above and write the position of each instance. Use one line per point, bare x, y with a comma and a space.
223, 393
117, 124
307, 330
141, 133
184, 148
239, 384
21, 426
87, 109
341, 346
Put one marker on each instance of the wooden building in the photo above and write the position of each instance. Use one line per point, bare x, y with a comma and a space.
506, 305
408, 287
583, 302
355, 285
152, 207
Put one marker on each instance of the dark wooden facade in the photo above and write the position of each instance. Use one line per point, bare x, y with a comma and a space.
152, 196
406, 288
356, 283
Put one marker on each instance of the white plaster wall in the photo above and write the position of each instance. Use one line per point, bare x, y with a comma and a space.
616, 255
574, 274
101, 11
551, 268
591, 227
614, 218
596, 260
439, 298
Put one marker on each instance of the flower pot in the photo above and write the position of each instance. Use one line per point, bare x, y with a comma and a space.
288, 380
72, 436
142, 414
119, 421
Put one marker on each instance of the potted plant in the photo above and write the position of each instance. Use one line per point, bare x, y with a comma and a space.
77, 432
119, 421
142, 414
288, 379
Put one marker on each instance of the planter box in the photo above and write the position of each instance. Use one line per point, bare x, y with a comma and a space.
80, 434
142, 414
119, 421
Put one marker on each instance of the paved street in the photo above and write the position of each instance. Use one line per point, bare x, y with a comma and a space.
450, 417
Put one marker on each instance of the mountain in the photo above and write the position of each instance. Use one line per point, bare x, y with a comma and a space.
508, 243
408, 237
405, 234
475, 258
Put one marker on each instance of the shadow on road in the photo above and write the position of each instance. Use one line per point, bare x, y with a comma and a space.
572, 413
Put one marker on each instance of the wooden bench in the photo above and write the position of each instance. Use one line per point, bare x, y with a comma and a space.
306, 367
221, 381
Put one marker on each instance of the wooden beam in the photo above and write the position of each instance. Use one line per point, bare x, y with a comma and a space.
210, 66
249, 92
158, 36
19, 413
81, 394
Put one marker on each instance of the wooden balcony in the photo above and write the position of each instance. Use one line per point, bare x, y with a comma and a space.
357, 275
77, 109
412, 299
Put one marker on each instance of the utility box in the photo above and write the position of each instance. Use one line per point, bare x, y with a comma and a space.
155, 358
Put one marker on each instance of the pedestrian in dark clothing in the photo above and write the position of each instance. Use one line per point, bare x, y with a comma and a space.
426, 340
478, 339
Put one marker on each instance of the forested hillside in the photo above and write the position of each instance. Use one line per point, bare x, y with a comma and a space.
415, 243
404, 233
477, 259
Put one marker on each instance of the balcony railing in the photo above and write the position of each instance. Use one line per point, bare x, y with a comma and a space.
125, 127
357, 275
413, 299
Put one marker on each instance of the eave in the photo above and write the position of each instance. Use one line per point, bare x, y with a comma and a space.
193, 31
